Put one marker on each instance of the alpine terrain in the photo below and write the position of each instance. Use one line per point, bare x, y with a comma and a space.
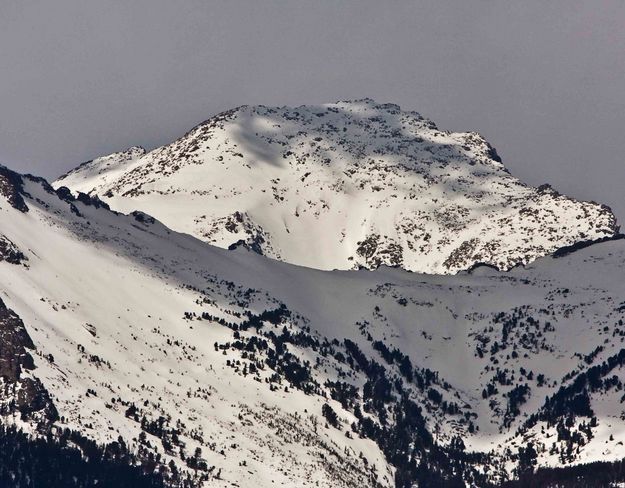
342, 186
162, 323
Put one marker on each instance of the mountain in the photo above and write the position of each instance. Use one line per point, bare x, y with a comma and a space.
226, 368
342, 186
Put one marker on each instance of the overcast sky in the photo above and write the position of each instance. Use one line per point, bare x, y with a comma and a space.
544, 81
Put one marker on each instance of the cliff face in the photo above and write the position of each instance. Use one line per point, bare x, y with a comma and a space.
22, 395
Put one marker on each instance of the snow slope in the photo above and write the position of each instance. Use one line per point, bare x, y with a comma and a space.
137, 328
341, 186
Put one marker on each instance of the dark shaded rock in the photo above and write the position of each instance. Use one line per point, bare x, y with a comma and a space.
65, 194
93, 201
21, 392
9, 251
143, 217
492, 153
254, 244
11, 188
236, 245
566, 250
480, 265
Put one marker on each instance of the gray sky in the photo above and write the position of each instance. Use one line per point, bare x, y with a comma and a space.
544, 81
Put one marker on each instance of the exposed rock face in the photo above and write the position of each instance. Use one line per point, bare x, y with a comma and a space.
11, 189
344, 185
9, 251
20, 392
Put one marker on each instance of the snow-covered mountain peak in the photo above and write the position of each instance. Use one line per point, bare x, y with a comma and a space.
343, 185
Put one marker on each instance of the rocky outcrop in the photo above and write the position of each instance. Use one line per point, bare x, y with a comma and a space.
11, 185
9, 251
21, 393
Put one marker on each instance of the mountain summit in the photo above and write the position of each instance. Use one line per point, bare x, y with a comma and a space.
341, 186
